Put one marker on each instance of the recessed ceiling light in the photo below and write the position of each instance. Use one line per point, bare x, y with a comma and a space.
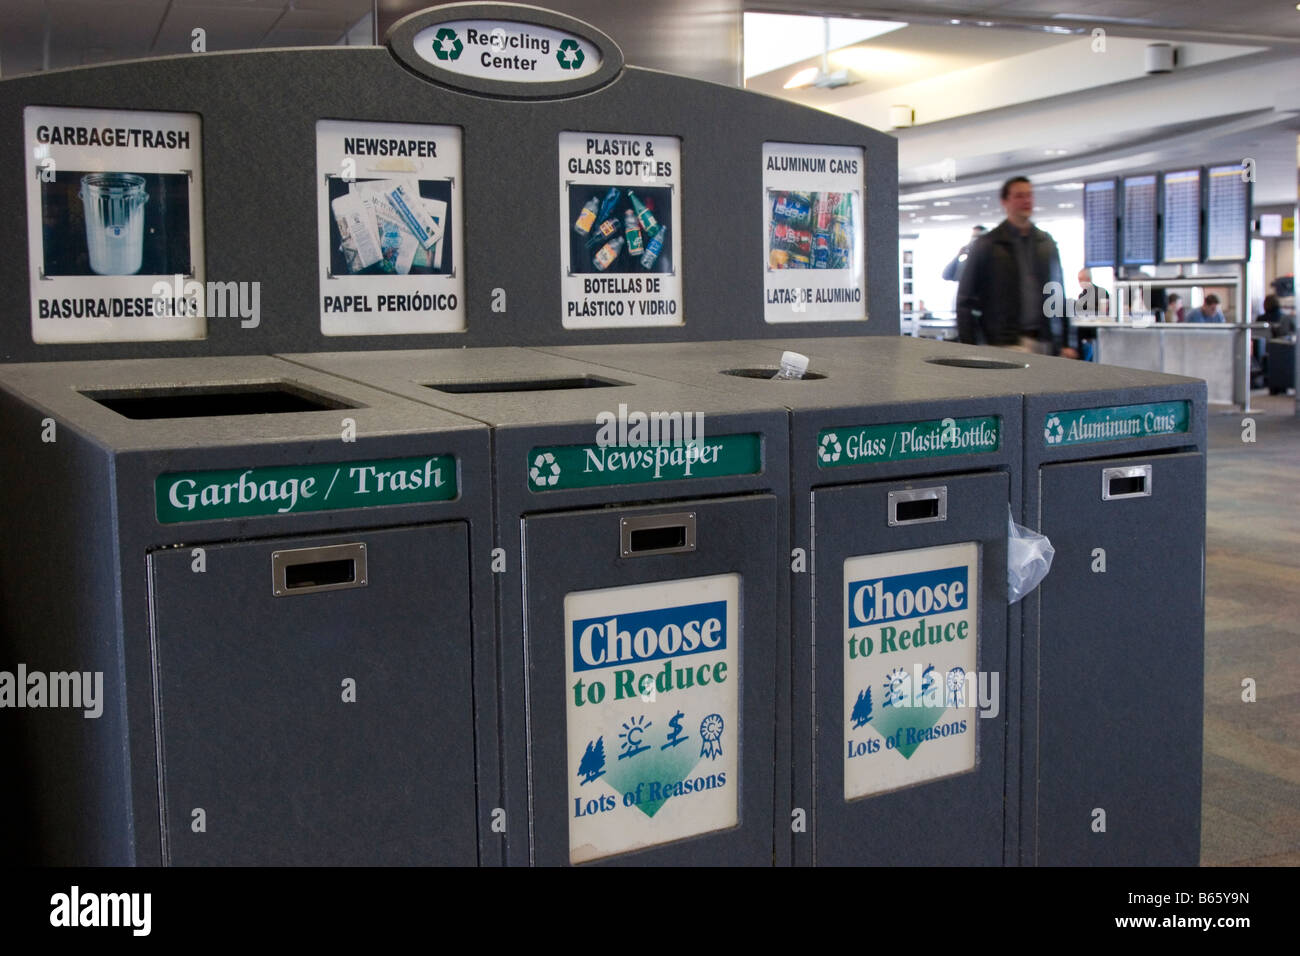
1056, 152
903, 207
942, 202
1065, 205
947, 217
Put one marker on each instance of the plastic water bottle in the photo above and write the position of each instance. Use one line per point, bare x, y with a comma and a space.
793, 367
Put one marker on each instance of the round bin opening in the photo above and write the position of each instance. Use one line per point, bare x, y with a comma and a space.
766, 371
976, 363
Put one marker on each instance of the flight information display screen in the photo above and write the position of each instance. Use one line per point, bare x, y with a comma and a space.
1227, 214
1099, 223
1182, 216
1138, 228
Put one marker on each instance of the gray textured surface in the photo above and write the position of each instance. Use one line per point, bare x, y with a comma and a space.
523, 420
78, 598
259, 113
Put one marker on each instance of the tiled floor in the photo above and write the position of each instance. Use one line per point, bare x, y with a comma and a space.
1251, 803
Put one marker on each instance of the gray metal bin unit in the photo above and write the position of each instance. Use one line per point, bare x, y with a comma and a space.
883, 490
274, 572
1110, 733
1115, 477
640, 607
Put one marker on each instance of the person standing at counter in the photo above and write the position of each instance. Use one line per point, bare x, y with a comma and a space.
1174, 312
1093, 300
1280, 325
1208, 311
1011, 278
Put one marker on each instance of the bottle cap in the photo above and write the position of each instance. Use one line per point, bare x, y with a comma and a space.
795, 361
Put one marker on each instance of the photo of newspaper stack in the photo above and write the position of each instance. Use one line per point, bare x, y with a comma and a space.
388, 224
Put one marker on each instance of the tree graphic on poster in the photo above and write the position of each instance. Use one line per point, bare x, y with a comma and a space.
592, 764
862, 709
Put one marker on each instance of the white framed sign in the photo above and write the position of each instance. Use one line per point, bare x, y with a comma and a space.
910, 652
652, 691
814, 250
391, 228
114, 225
620, 230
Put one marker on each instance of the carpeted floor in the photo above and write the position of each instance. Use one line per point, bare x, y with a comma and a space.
1251, 802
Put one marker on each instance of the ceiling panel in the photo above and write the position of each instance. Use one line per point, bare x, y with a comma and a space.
231, 27
1228, 21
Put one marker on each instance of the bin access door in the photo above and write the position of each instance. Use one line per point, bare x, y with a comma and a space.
910, 633
314, 700
1121, 662
651, 636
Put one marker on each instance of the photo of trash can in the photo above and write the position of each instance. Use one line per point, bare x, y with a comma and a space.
114, 209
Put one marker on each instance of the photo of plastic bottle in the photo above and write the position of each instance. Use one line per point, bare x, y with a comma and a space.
587, 218
608, 253
652, 251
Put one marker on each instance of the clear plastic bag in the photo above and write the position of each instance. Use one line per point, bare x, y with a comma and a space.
1029, 558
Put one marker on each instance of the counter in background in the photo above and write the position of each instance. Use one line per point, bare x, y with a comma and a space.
1216, 352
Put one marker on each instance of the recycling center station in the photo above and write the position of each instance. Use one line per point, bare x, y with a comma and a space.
475, 450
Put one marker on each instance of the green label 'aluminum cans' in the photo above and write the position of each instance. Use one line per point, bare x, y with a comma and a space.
563, 467
294, 489
1115, 423
870, 444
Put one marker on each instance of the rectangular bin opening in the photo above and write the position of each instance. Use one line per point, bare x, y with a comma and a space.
530, 385
274, 398
1134, 485
919, 509
320, 574
658, 539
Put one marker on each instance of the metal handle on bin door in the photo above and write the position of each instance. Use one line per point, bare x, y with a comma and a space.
1133, 481
918, 505
332, 567
656, 534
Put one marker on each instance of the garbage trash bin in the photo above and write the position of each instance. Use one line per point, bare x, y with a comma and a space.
248, 591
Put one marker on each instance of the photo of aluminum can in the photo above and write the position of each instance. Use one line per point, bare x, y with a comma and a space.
821, 256
788, 208
790, 238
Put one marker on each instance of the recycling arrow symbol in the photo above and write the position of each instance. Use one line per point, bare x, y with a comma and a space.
1053, 431
545, 470
446, 45
829, 449
569, 55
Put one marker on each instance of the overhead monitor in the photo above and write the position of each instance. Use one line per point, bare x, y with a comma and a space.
1227, 213
1181, 206
1138, 225
1099, 223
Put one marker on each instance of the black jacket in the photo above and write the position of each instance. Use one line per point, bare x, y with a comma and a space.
988, 298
